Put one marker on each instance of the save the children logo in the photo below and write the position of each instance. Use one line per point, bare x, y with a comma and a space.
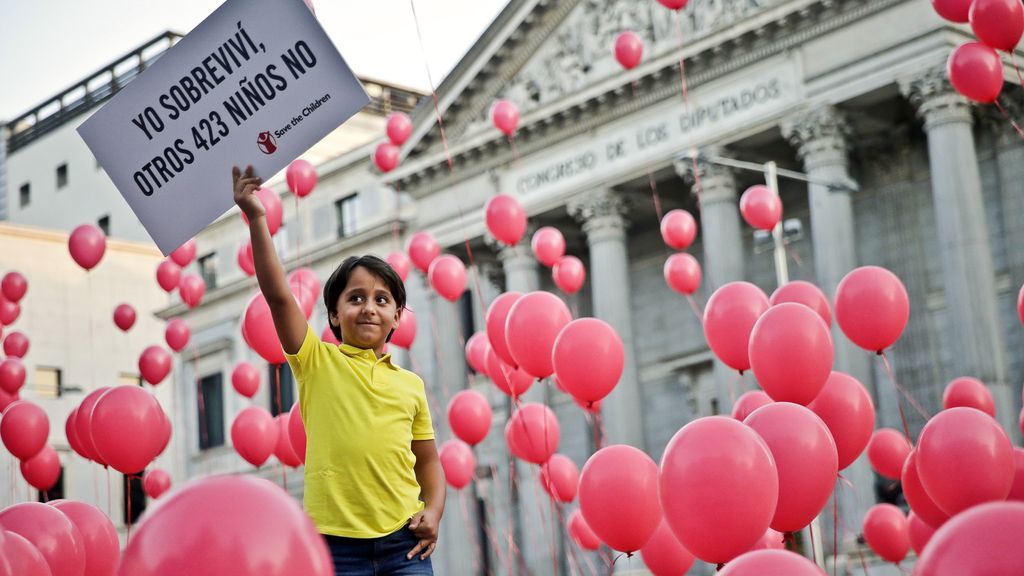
266, 142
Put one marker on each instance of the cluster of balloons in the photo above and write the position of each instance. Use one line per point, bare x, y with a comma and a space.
60, 537
388, 154
682, 271
123, 427
975, 68
568, 272
15, 343
445, 272
257, 326
256, 435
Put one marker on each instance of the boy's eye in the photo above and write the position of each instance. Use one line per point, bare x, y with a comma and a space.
382, 300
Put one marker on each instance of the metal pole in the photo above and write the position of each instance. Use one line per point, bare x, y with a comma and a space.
781, 265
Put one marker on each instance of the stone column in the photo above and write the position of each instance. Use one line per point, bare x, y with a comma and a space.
968, 274
602, 213
3, 171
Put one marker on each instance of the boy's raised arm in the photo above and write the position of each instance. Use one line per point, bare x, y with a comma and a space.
288, 319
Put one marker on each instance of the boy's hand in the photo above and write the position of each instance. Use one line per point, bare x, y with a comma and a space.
424, 525
245, 185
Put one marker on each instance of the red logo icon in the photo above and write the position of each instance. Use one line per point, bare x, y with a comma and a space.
266, 142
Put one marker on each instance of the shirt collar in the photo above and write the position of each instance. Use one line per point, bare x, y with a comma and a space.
365, 353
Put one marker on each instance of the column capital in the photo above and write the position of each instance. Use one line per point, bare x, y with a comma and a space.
717, 183
936, 101
820, 136
602, 211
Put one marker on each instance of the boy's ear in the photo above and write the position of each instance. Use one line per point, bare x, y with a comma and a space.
332, 318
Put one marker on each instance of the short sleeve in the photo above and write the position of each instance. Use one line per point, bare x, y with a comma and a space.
302, 361
422, 426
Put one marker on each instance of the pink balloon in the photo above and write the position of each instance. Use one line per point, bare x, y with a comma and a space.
165, 432
87, 245
548, 245
772, 540
191, 290
664, 555
283, 450
705, 459
328, 336
271, 206
997, 23
969, 392
983, 540
1020, 304
168, 275
98, 536
505, 116
678, 229
513, 382
71, 433
83, 424
405, 334
400, 262
458, 463
976, 71
581, 533
506, 219
476, 352
297, 432
399, 128
569, 274
534, 322
12, 375
423, 248
259, 329
673, 4
497, 317
301, 177
872, 307
588, 356
155, 362
920, 533
126, 428
964, 459
305, 291
156, 482
729, 318
260, 529
806, 458
245, 262
791, 353
177, 333
888, 451
245, 379
804, 293
386, 156
619, 496
124, 317
918, 499
9, 312
629, 49
887, 532
184, 255
953, 10
761, 207
447, 275
19, 557
469, 415
560, 478
13, 286
771, 563
24, 428
682, 273
846, 408
1017, 490
254, 435
51, 532
6, 399
748, 402
42, 470
535, 432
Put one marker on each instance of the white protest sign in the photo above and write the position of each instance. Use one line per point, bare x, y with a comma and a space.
258, 82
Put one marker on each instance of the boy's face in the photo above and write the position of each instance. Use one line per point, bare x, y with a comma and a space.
366, 310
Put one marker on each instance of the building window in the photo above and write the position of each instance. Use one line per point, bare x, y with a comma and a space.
466, 317
129, 379
211, 412
104, 224
49, 381
134, 497
281, 402
56, 492
346, 209
24, 195
62, 176
208, 270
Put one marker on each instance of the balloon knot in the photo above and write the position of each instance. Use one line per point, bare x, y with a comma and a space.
720, 566
880, 352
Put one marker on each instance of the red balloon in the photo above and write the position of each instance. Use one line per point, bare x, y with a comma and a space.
629, 49
13, 286
846, 408
997, 23
423, 248
328, 336
533, 325
245, 378
305, 293
9, 312
71, 433
98, 536
283, 450
155, 362
804, 293
983, 540
791, 353
127, 428
664, 555
42, 470
729, 318
1017, 491
447, 275
888, 451
872, 307
83, 424
155, 482
124, 317
1020, 304
581, 533
7, 399
589, 357
772, 540
918, 499
560, 478
513, 382
400, 262
24, 428
12, 375
976, 71
260, 529
497, 317
707, 458
476, 352
399, 128
168, 275
245, 262
673, 4
386, 156
87, 243
458, 463
682, 273
271, 206
569, 274
969, 392
887, 532
165, 432
771, 563
619, 496
805, 456
953, 10
678, 229
761, 207
469, 415
405, 334
548, 245
191, 290
51, 532
505, 218
920, 533
964, 459
258, 325
301, 177
184, 255
254, 435
748, 402
297, 432
177, 333
535, 432
505, 116
19, 557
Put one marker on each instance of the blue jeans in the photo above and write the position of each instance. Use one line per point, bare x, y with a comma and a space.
384, 556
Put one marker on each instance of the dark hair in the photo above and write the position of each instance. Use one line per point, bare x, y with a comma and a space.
339, 280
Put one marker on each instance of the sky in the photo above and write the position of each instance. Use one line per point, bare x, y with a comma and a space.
46, 46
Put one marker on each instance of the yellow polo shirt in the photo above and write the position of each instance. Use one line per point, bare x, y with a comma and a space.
361, 415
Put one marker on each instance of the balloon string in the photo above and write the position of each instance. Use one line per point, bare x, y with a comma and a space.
437, 354
697, 188
46, 496
92, 335
95, 485
913, 402
433, 90
110, 506
611, 566
128, 538
540, 509
697, 311
1006, 115
814, 551
395, 236
205, 433
1016, 68
464, 508
835, 529
863, 563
